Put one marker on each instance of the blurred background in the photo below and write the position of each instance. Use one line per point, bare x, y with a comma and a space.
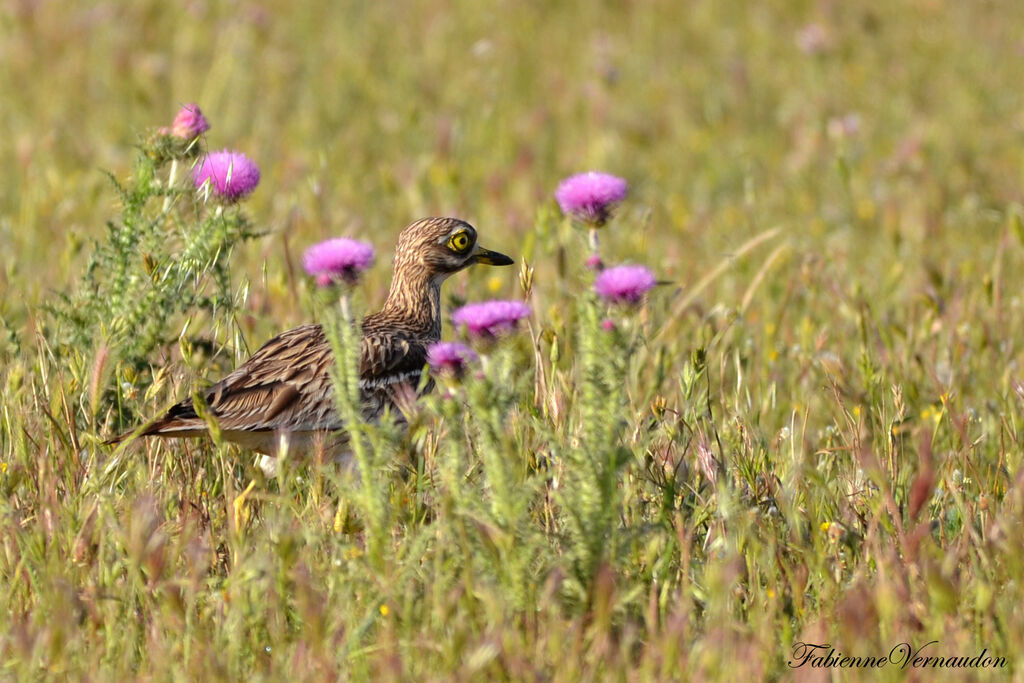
880, 129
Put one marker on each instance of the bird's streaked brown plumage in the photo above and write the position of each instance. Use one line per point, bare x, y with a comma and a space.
284, 390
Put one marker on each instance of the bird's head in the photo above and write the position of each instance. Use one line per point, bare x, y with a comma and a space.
443, 246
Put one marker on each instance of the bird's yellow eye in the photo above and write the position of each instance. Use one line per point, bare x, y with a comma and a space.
459, 242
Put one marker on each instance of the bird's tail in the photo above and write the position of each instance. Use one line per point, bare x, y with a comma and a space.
145, 430
118, 439
156, 427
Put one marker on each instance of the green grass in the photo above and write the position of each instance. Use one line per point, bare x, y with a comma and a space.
813, 433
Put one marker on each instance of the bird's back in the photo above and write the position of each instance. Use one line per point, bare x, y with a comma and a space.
286, 386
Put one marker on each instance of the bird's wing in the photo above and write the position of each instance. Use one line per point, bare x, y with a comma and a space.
390, 369
387, 358
285, 385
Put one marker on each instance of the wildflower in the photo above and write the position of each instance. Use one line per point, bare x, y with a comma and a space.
189, 123
590, 197
595, 263
842, 127
449, 359
624, 284
338, 260
229, 175
812, 39
489, 319
608, 325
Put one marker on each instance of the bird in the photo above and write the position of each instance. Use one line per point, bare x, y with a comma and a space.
283, 395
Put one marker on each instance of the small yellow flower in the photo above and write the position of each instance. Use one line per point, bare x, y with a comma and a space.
3, 468
494, 284
825, 526
771, 594
384, 610
856, 411
658, 406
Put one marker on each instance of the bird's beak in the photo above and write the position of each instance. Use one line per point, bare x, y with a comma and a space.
492, 258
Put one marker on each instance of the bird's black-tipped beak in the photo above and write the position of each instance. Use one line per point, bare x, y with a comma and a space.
492, 258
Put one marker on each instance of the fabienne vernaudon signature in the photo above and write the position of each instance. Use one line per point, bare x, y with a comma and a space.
901, 656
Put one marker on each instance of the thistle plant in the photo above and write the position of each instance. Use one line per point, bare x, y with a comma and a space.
450, 361
590, 497
189, 123
485, 322
591, 198
491, 399
164, 258
484, 468
338, 261
624, 284
226, 176
337, 265
179, 141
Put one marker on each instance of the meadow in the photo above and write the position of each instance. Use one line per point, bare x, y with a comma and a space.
809, 432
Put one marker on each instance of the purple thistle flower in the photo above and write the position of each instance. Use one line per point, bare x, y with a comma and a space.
338, 260
449, 359
231, 175
590, 197
189, 123
489, 319
624, 284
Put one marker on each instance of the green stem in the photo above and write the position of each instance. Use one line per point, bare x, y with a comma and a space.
345, 343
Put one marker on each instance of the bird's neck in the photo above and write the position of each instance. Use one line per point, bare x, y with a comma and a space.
415, 300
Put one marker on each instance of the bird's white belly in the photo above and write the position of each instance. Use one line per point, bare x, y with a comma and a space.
304, 446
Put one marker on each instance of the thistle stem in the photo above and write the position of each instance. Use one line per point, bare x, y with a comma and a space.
172, 175
345, 342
